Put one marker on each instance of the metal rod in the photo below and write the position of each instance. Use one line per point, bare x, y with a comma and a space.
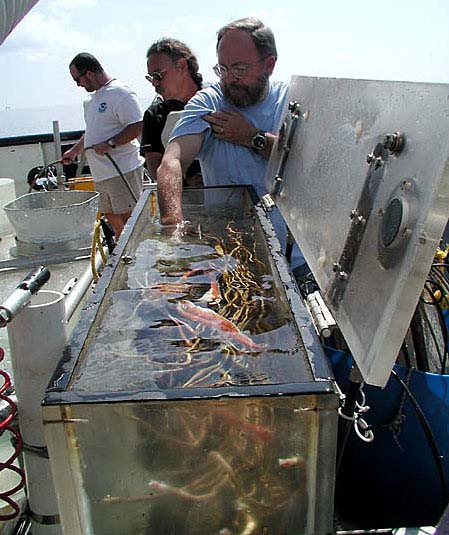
365, 532
28, 262
58, 152
77, 293
22, 294
345, 426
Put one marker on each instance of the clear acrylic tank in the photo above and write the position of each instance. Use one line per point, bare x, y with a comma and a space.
193, 397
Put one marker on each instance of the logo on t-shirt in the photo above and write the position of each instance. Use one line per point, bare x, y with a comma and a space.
102, 107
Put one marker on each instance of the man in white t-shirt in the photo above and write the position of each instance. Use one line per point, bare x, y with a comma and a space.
113, 118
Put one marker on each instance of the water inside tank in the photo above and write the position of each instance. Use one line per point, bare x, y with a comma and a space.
197, 307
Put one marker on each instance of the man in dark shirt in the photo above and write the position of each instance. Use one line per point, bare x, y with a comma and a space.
173, 71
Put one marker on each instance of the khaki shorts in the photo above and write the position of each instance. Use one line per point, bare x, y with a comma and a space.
115, 197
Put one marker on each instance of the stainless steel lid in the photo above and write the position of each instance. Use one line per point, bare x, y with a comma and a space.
364, 188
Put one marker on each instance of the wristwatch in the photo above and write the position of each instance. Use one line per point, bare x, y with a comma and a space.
259, 141
111, 143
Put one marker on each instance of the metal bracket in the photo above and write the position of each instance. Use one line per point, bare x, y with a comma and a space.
359, 216
285, 143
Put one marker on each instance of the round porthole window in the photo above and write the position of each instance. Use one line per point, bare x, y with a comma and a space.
392, 221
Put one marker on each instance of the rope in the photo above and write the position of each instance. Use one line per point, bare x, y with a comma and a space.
96, 242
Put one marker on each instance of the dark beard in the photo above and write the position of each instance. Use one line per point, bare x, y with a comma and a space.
245, 96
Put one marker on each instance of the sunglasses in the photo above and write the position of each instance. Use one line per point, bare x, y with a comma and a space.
80, 75
156, 76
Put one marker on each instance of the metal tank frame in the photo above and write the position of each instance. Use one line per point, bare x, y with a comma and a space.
67, 413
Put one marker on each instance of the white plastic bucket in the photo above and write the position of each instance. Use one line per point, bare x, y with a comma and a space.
53, 216
7, 194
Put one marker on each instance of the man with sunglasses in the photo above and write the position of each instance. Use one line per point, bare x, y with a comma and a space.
230, 126
113, 118
173, 72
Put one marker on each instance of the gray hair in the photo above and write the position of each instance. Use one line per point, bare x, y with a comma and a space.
262, 36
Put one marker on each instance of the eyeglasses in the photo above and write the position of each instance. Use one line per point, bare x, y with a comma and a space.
77, 79
238, 71
155, 76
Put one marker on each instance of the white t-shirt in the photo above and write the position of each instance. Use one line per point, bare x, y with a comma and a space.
106, 113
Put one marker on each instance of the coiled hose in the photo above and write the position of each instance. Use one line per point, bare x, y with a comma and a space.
6, 495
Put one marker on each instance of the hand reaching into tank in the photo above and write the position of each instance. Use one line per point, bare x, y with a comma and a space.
176, 231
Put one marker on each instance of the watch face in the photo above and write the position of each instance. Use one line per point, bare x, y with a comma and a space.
259, 141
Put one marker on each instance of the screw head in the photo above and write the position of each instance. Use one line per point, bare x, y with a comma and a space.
394, 142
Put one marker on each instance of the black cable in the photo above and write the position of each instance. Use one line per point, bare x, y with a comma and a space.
111, 159
108, 233
406, 354
440, 274
429, 290
444, 290
429, 435
442, 358
117, 168
23, 527
289, 246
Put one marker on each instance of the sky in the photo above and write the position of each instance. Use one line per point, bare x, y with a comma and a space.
385, 39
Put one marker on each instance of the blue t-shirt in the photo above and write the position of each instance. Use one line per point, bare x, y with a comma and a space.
223, 163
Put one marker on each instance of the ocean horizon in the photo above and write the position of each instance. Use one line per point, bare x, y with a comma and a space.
28, 121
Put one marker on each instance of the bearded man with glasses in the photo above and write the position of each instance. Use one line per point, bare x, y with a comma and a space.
230, 126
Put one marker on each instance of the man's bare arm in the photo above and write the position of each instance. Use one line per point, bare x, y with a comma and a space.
130, 132
71, 154
179, 154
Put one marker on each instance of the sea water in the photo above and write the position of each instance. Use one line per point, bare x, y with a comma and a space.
28, 121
